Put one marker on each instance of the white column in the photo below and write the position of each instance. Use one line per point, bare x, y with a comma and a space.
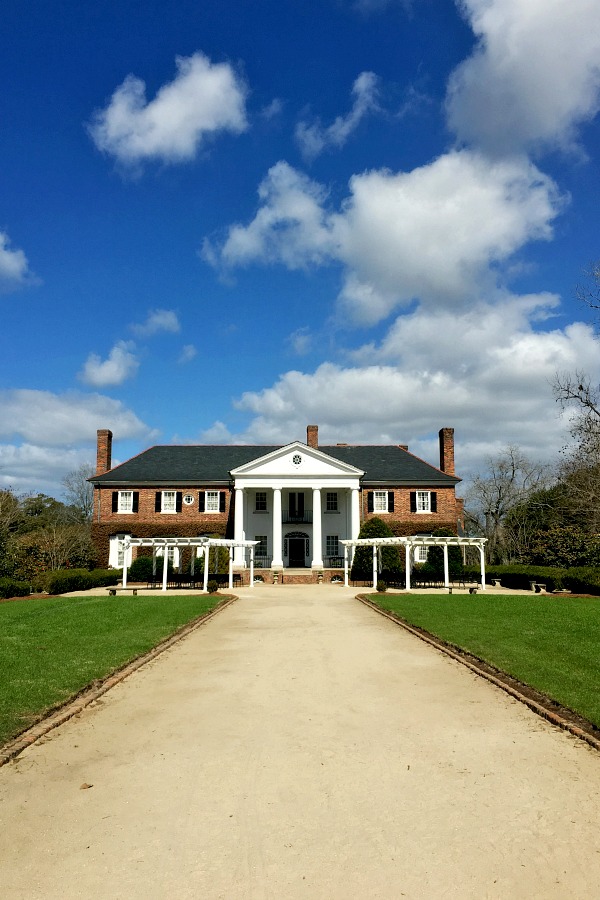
355, 514
317, 553
206, 564
165, 566
277, 533
482, 558
407, 562
446, 569
252, 565
238, 525
374, 566
231, 549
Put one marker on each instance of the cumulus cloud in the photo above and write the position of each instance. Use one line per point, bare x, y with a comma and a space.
433, 233
291, 227
14, 267
485, 372
533, 77
300, 341
59, 420
204, 98
313, 138
158, 320
121, 364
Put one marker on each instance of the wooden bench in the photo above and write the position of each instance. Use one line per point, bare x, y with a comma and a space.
113, 591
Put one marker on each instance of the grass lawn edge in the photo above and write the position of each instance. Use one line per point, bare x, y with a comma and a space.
56, 715
541, 704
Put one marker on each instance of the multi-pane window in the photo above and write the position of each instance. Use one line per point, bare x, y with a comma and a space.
261, 548
331, 501
125, 502
261, 501
420, 554
331, 545
380, 501
423, 501
212, 502
169, 501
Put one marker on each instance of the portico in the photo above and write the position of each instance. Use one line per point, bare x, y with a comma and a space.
298, 503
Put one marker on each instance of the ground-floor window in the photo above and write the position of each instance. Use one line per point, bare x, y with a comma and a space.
261, 547
331, 545
116, 551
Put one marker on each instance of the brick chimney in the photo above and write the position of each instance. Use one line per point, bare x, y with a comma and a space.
312, 436
104, 452
447, 450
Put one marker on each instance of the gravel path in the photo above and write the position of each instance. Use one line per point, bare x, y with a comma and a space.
299, 745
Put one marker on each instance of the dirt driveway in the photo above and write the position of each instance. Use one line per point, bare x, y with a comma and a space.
301, 746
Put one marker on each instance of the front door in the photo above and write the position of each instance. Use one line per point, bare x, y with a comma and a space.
296, 558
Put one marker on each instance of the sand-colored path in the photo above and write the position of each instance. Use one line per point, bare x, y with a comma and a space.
300, 746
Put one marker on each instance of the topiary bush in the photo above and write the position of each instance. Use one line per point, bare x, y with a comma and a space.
141, 569
381, 586
212, 586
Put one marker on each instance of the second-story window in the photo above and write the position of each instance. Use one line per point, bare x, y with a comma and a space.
331, 501
261, 501
169, 501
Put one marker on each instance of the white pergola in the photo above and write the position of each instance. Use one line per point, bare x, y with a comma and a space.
409, 543
205, 544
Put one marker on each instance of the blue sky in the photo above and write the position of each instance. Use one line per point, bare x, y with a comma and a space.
225, 222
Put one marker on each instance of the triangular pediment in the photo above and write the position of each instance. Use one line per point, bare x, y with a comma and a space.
296, 460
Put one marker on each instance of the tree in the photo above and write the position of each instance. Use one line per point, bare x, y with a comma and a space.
362, 564
510, 479
79, 493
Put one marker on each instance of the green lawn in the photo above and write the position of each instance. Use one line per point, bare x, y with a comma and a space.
551, 643
50, 648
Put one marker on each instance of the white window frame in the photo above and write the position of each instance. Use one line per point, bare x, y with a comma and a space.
172, 556
331, 502
261, 508
420, 553
211, 502
262, 546
125, 502
380, 501
332, 541
116, 551
168, 500
423, 501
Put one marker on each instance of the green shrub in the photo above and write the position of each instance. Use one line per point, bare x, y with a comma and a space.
519, 577
11, 588
141, 569
212, 586
64, 581
381, 586
583, 580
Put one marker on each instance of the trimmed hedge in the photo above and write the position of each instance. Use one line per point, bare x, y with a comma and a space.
11, 588
63, 581
579, 580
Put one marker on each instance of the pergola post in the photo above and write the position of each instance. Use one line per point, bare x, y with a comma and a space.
252, 566
231, 567
446, 567
482, 559
345, 565
206, 564
165, 566
374, 566
407, 559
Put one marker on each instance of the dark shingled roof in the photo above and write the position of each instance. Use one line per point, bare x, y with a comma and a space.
188, 465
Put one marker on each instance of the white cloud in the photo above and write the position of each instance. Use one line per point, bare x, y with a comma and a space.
291, 226
485, 372
30, 469
188, 353
203, 99
300, 341
158, 320
120, 365
434, 233
59, 420
313, 138
14, 267
533, 76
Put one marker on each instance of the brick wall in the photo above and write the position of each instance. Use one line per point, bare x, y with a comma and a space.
402, 521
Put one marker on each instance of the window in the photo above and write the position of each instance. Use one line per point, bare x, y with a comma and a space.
125, 502
331, 501
116, 551
212, 502
261, 547
380, 501
420, 554
261, 501
188, 499
331, 545
423, 501
169, 501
